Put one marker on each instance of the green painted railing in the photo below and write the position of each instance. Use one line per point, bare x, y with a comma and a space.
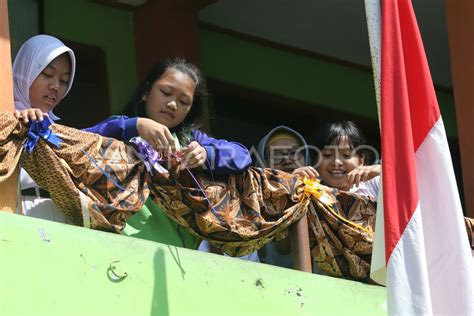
48, 268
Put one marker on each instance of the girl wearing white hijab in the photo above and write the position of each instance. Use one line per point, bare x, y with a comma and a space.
43, 72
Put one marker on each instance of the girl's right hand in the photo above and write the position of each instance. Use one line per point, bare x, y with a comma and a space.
30, 115
306, 172
362, 174
156, 134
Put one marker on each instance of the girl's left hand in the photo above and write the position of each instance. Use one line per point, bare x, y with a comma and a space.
362, 174
194, 155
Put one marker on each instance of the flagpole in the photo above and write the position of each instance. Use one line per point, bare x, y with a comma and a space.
373, 13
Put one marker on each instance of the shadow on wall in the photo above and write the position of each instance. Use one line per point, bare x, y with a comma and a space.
159, 305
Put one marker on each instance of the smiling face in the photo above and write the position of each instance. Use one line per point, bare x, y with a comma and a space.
170, 98
336, 162
51, 84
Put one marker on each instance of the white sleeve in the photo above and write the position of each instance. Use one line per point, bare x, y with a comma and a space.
26, 181
373, 186
369, 188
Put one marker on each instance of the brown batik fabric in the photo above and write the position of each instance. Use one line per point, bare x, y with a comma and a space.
238, 214
245, 212
341, 234
76, 184
12, 138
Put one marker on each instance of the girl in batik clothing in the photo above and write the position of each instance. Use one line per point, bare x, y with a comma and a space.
342, 158
342, 164
43, 72
167, 107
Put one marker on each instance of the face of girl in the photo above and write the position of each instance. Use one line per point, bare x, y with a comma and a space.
285, 154
336, 162
51, 84
170, 98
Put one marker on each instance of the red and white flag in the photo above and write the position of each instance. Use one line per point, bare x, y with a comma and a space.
429, 269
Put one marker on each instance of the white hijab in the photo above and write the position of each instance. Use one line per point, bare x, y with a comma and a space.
34, 55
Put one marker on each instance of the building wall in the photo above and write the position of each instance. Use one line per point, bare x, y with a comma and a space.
24, 22
110, 28
317, 81
224, 57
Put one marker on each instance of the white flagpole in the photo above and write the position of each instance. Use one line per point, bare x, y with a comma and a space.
373, 15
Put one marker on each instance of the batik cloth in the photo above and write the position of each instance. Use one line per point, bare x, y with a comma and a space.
100, 182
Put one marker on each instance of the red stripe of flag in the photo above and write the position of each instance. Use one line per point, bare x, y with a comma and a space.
424, 107
409, 111
398, 165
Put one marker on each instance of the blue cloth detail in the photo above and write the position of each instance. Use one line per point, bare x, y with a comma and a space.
41, 130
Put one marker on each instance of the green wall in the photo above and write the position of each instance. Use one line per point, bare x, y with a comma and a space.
48, 268
23, 20
111, 29
321, 82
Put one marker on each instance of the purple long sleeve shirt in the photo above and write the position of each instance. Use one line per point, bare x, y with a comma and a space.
223, 157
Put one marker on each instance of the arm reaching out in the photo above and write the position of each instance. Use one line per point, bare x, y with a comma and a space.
362, 174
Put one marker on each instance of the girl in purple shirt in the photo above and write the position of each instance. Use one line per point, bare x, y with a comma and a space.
171, 100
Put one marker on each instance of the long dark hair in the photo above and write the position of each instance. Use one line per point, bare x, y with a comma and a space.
136, 105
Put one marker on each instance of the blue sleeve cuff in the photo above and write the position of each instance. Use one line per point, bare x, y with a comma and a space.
131, 129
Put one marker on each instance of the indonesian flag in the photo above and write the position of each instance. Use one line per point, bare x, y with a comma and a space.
429, 268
